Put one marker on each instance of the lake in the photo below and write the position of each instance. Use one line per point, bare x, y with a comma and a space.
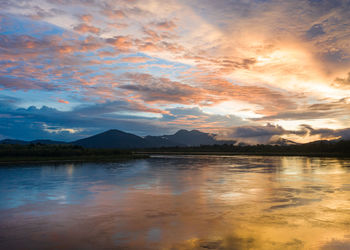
178, 202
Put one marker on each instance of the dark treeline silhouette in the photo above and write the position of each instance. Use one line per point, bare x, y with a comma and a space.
317, 148
43, 150
38, 151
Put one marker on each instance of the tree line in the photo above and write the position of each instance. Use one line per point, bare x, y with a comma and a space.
44, 150
341, 147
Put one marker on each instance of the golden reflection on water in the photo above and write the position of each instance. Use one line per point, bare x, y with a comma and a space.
197, 203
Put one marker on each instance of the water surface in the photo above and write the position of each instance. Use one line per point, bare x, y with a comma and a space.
178, 202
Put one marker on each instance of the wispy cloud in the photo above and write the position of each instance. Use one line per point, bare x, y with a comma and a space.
253, 62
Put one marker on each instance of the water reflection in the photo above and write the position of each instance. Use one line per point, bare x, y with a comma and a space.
178, 202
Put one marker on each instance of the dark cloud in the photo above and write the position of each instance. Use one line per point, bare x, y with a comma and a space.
19, 83
336, 244
342, 82
264, 134
45, 122
164, 25
311, 112
258, 131
258, 134
163, 89
314, 31
325, 133
324, 6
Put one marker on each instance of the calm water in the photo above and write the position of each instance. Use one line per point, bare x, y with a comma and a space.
183, 202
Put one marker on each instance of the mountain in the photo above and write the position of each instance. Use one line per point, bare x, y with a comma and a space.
161, 141
282, 142
191, 138
118, 139
185, 138
10, 141
323, 142
113, 139
20, 142
48, 142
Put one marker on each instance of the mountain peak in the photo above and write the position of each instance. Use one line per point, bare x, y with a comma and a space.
282, 142
181, 131
113, 131
185, 131
113, 138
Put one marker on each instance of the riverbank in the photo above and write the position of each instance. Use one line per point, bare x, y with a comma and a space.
61, 153
75, 159
314, 154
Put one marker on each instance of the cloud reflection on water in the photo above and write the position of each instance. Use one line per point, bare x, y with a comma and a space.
191, 202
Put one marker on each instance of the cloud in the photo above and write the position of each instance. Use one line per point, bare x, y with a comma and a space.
342, 82
326, 133
85, 28
25, 84
114, 14
87, 18
338, 108
164, 25
59, 130
122, 43
254, 134
135, 59
271, 101
160, 89
195, 118
252, 54
63, 101
46, 122
315, 30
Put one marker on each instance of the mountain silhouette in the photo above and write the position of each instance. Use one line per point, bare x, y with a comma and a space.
113, 139
121, 140
282, 142
191, 138
40, 141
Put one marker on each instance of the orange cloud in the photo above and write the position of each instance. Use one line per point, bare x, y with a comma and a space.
63, 101
114, 14
135, 59
84, 28
118, 25
120, 42
148, 47
87, 18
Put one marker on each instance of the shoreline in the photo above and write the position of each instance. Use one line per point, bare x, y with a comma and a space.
102, 158
147, 154
333, 155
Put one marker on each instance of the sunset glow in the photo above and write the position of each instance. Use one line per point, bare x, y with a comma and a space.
73, 68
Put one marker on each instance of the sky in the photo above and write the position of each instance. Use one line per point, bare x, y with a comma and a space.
251, 70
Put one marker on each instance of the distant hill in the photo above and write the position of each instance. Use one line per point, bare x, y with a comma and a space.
161, 141
118, 139
113, 139
185, 138
20, 142
324, 142
191, 138
48, 142
283, 142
